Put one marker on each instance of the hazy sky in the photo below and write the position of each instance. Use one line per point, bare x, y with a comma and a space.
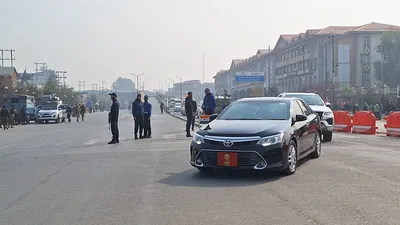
97, 40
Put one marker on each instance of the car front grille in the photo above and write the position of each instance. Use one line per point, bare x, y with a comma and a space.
244, 158
235, 144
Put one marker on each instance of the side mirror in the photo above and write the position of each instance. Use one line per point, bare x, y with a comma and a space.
328, 104
300, 117
212, 117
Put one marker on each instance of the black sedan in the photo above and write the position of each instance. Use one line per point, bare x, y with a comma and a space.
258, 134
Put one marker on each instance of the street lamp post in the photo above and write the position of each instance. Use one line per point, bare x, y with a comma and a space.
173, 87
181, 86
137, 80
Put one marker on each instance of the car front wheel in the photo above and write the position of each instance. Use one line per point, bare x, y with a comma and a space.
317, 147
328, 136
291, 159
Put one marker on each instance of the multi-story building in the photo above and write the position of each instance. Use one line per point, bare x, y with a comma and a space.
40, 78
246, 77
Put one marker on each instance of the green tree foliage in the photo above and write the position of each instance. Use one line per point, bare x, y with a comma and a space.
24, 78
390, 48
94, 98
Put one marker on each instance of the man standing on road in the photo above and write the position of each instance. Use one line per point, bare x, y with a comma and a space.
83, 110
76, 111
69, 112
147, 108
162, 107
113, 119
4, 117
189, 113
194, 114
138, 112
13, 112
208, 103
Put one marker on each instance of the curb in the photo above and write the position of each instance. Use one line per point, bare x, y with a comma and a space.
181, 118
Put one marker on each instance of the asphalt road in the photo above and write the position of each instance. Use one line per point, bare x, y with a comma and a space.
67, 174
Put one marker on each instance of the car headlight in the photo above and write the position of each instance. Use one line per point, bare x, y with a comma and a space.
271, 140
327, 113
198, 139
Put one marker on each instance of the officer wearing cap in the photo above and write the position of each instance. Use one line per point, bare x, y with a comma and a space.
147, 108
113, 119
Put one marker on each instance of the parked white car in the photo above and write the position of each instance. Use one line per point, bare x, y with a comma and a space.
177, 107
321, 108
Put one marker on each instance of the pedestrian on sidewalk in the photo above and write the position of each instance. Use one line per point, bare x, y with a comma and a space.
189, 112
138, 113
147, 108
113, 119
4, 117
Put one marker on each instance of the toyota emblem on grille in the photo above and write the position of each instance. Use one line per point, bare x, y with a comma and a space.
228, 143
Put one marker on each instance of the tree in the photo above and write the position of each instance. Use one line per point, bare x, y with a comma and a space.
94, 98
123, 84
389, 47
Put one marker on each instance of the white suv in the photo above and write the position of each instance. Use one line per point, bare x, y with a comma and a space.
320, 107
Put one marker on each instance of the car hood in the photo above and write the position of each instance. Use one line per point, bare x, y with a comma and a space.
318, 108
245, 127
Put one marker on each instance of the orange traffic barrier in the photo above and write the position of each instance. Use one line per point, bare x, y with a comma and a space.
393, 124
364, 122
343, 121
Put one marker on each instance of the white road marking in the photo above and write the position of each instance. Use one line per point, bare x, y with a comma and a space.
42, 144
92, 142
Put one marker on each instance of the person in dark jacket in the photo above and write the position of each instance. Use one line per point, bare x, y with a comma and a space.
208, 102
13, 113
189, 113
24, 118
138, 114
147, 108
69, 112
113, 119
82, 110
4, 117
194, 114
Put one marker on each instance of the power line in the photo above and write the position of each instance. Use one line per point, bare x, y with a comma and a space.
63, 77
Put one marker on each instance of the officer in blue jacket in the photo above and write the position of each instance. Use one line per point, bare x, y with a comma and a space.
138, 114
147, 108
208, 102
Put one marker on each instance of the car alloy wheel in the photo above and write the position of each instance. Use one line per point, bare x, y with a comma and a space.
292, 159
317, 147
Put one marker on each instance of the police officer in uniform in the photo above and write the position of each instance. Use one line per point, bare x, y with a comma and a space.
113, 119
189, 113
138, 114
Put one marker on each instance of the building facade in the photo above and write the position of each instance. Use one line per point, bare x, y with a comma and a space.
8, 78
318, 60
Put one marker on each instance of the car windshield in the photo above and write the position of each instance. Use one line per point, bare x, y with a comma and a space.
310, 99
178, 104
49, 107
256, 110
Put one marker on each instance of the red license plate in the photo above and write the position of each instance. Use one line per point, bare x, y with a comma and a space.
227, 159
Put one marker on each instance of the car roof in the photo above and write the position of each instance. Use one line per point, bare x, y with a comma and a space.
297, 93
265, 99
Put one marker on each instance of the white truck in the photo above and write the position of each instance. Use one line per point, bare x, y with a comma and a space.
51, 110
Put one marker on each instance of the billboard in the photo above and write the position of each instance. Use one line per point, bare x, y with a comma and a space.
250, 76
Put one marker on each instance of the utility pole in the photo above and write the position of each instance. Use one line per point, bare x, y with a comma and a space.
137, 81
61, 77
82, 85
181, 86
11, 59
94, 87
332, 37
